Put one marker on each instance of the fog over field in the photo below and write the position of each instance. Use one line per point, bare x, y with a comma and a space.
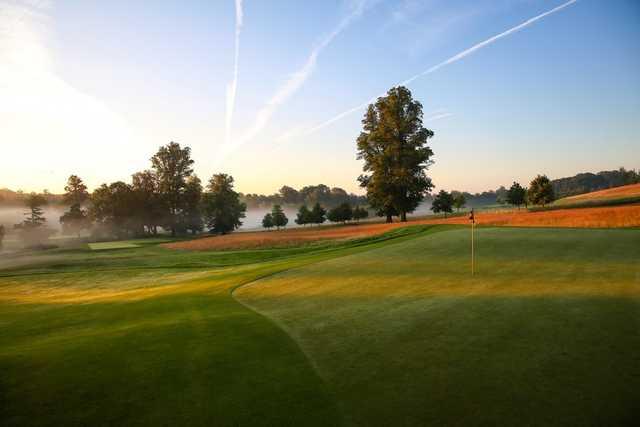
10, 215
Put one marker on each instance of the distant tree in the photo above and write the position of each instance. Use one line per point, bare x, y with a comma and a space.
32, 229
279, 218
111, 210
2, 233
304, 215
341, 213
501, 195
75, 219
267, 221
393, 145
360, 213
75, 191
541, 191
172, 165
222, 207
149, 207
443, 202
318, 214
517, 195
459, 201
191, 218
289, 195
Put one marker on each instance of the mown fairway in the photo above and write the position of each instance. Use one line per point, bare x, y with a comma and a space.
547, 332
392, 329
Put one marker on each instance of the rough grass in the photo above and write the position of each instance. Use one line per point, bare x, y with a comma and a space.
601, 217
622, 192
546, 333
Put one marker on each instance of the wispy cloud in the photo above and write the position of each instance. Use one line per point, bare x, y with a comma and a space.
232, 87
294, 82
451, 60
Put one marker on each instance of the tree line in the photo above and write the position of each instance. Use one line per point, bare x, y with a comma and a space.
308, 195
317, 215
540, 192
168, 196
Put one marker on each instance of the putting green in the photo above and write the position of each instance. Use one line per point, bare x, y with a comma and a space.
546, 333
111, 245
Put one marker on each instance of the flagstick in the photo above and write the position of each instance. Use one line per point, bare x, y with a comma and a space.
472, 255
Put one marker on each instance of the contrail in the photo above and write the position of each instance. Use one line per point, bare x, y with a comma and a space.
232, 87
295, 81
451, 60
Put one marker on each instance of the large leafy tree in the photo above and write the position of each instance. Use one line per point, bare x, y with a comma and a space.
111, 208
192, 214
75, 219
149, 206
443, 202
517, 195
360, 213
221, 205
540, 191
172, 165
393, 145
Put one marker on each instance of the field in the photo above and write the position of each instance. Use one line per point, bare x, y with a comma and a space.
383, 330
622, 192
600, 217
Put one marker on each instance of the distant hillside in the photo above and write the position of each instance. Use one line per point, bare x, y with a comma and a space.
17, 198
588, 182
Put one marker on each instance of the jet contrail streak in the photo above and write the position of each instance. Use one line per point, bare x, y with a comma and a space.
451, 60
292, 84
232, 87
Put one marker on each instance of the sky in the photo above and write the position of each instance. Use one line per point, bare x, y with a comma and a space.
273, 92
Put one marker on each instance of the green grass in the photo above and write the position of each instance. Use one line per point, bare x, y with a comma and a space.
546, 333
389, 330
99, 246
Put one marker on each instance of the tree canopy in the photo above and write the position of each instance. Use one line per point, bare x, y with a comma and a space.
517, 195
279, 218
443, 202
304, 216
222, 207
541, 191
393, 145
341, 213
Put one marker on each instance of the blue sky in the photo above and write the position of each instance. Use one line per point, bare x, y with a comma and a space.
94, 87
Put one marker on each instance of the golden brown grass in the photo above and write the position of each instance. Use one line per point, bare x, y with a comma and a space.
599, 217
610, 193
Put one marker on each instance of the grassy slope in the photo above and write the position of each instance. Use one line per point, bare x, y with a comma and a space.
149, 336
547, 333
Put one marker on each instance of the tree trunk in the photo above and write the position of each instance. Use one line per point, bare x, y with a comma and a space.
403, 216
389, 218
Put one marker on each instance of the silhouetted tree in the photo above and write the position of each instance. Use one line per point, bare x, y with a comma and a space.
111, 210
33, 230
279, 218
172, 166
443, 202
393, 145
304, 215
267, 221
516, 195
360, 213
289, 195
222, 207
458, 200
341, 213
318, 214
149, 208
75, 219
540, 191
191, 218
